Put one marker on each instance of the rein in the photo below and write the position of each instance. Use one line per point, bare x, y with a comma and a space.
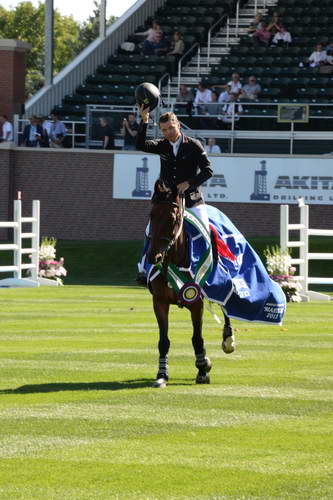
181, 208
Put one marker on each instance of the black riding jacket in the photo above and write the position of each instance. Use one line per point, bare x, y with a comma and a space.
191, 163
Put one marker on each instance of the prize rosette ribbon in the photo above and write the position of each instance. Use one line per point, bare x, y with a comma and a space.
189, 293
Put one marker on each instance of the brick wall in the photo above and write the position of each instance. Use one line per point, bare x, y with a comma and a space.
12, 76
75, 190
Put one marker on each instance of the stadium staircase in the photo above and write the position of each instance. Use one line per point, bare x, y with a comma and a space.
283, 72
225, 34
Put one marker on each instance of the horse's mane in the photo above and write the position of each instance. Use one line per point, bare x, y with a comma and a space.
164, 192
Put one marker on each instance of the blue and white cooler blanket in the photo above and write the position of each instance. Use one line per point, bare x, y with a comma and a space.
237, 279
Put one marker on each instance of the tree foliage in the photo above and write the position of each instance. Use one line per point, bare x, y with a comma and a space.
26, 22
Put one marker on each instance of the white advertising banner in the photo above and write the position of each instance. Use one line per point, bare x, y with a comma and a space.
240, 180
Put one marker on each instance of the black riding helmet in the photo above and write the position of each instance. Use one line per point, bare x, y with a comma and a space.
147, 94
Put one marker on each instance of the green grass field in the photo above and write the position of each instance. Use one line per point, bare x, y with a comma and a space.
79, 419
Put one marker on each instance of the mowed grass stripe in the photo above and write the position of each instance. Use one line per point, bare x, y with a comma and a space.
79, 420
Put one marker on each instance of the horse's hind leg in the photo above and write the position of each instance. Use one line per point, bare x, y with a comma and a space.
228, 339
202, 362
161, 312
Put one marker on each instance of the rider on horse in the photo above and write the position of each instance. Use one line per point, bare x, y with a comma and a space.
184, 162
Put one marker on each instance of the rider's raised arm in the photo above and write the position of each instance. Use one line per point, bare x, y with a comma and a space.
148, 146
151, 146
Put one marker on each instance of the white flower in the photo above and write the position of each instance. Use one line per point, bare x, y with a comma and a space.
47, 252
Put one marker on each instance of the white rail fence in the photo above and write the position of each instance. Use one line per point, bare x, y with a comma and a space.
19, 250
304, 255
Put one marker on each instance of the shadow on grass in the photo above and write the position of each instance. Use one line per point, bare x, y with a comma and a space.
82, 386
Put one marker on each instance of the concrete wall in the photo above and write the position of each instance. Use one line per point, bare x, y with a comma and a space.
75, 190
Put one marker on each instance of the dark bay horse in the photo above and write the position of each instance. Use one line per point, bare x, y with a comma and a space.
168, 245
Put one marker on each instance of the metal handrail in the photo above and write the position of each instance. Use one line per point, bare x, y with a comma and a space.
228, 31
210, 36
198, 61
163, 77
237, 18
180, 62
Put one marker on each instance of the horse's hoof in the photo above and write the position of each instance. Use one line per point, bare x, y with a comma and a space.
160, 383
202, 379
229, 344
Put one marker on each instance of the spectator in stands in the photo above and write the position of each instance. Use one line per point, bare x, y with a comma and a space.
235, 84
232, 109
211, 110
130, 130
282, 37
152, 36
186, 98
203, 96
46, 124
58, 131
6, 129
33, 134
251, 90
326, 66
159, 48
212, 147
256, 24
263, 35
177, 50
225, 95
150, 33
106, 133
318, 56
274, 25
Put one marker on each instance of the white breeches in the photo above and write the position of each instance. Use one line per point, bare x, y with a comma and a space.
201, 212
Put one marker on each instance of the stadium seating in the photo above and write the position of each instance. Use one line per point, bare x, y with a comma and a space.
114, 82
279, 70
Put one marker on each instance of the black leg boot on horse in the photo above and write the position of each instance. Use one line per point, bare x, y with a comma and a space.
202, 362
161, 312
228, 339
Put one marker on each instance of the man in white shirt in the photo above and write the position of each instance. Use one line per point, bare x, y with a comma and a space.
224, 96
212, 147
282, 37
251, 89
6, 129
203, 96
318, 56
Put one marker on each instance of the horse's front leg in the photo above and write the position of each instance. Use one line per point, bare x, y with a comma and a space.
228, 339
161, 309
202, 362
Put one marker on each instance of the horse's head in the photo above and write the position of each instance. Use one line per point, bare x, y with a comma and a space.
166, 221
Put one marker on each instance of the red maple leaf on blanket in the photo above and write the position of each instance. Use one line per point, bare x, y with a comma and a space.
221, 246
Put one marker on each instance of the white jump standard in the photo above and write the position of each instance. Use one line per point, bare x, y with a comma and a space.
304, 254
18, 251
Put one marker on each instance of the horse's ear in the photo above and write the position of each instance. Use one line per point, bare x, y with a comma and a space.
160, 187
